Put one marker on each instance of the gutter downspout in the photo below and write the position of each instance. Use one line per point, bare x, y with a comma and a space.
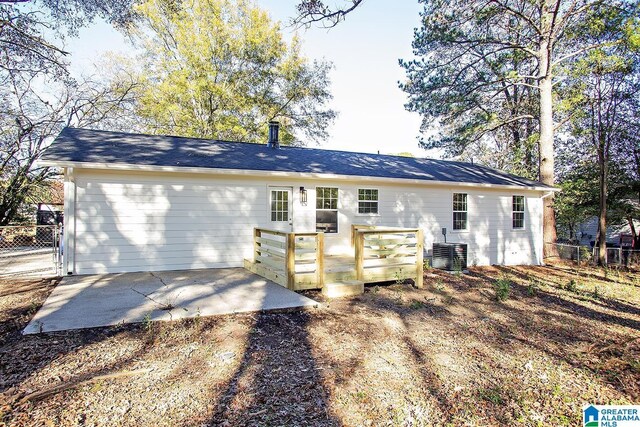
69, 237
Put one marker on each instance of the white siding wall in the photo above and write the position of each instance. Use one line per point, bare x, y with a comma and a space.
128, 221
490, 236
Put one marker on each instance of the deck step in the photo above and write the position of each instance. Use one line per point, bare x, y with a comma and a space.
343, 289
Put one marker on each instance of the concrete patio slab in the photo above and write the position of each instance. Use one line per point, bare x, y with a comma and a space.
103, 300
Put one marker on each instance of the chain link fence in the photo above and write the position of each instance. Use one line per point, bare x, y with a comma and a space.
30, 251
620, 256
585, 254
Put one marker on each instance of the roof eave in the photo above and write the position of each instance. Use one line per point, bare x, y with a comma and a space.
280, 174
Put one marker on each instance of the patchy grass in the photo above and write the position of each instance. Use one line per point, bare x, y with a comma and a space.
448, 354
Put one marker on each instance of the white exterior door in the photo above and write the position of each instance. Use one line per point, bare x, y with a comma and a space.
281, 208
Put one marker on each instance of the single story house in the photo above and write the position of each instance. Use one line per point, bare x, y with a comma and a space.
142, 202
588, 231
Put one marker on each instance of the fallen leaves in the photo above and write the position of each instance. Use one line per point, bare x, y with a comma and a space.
393, 356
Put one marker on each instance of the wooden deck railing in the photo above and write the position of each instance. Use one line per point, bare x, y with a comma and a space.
308, 260
359, 227
293, 260
297, 260
270, 255
388, 253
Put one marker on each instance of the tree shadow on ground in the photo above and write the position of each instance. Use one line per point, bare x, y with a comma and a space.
23, 356
39, 352
279, 381
564, 329
558, 302
24, 287
584, 272
24, 299
430, 361
599, 300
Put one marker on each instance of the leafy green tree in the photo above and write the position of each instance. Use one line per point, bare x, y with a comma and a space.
624, 187
626, 193
578, 199
605, 85
489, 67
402, 154
221, 69
474, 87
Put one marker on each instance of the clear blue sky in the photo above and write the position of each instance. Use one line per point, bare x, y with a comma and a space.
364, 50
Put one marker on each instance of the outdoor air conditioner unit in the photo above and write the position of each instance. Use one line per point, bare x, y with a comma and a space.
449, 256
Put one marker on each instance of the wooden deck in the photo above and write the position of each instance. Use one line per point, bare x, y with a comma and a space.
297, 260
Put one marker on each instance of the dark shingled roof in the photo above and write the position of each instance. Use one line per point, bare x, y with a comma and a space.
93, 146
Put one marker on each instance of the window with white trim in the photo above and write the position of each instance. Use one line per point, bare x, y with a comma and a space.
460, 211
327, 209
518, 212
367, 201
279, 205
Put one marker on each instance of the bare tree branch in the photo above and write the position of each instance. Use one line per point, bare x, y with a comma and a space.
315, 11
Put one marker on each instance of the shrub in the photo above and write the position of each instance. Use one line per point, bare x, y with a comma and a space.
493, 395
457, 267
572, 286
503, 288
148, 326
416, 305
146, 321
596, 293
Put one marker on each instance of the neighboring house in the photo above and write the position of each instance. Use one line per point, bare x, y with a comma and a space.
50, 209
140, 202
588, 231
49, 214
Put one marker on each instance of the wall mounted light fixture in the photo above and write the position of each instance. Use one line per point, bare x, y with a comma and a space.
303, 196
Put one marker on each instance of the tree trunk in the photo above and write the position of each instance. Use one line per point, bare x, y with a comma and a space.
601, 129
546, 166
634, 233
602, 222
572, 233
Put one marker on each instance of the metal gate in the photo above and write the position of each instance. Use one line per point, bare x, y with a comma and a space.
30, 251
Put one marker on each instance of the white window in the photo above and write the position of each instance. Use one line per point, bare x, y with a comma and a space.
518, 212
367, 201
327, 209
459, 211
279, 205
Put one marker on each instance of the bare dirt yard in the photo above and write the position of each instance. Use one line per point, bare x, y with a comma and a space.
448, 354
